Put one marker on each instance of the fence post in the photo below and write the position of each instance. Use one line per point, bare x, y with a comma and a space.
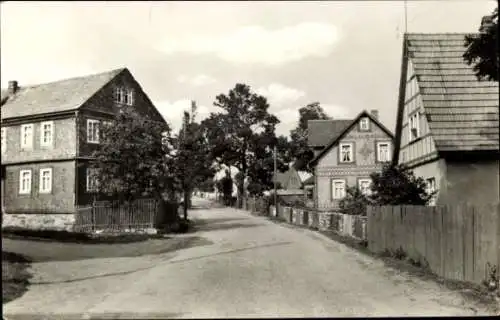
92, 215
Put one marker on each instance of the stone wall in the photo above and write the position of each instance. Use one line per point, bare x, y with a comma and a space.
57, 222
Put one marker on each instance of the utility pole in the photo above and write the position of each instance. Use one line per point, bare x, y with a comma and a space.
275, 182
406, 17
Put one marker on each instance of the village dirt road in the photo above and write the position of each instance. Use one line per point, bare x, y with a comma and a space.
252, 268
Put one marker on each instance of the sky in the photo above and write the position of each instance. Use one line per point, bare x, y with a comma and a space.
344, 54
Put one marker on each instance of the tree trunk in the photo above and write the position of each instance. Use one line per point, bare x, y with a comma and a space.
241, 183
186, 199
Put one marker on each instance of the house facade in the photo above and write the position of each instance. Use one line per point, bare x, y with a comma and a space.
49, 132
351, 156
447, 121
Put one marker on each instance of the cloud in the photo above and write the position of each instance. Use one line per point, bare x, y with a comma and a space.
197, 81
279, 95
257, 45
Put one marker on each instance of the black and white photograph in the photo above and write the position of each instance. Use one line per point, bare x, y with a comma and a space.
249, 159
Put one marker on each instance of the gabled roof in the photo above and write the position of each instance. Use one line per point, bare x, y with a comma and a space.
320, 132
337, 138
462, 111
63, 95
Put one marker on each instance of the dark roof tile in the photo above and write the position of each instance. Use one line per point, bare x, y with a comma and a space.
63, 95
321, 132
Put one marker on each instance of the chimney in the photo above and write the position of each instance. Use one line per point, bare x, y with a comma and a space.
374, 113
13, 87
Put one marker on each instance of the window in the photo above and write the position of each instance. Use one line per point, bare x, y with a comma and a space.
364, 124
129, 99
25, 182
92, 131
414, 126
119, 95
4, 139
27, 136
346, 152
383, 151
338, 189
46, 133
46, 180
431, 187
364, 186
92, 179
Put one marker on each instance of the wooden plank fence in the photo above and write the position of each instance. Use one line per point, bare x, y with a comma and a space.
111, 216
456, 242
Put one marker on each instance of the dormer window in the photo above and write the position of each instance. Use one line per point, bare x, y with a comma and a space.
364, 124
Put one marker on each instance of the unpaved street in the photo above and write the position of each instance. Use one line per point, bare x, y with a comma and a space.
248, 267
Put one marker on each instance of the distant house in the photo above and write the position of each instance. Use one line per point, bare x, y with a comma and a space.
349, 158
293, 179
291, 184
447, 121
49, 132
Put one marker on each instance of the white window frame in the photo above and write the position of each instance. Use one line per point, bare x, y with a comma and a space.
379, 149
50, 143
4, 140
361, 182
48, 188
90, 124
92, 174
26, 190
364, 124
351, 145
334, 189
27, 144
119, 95
129, 97
414, 124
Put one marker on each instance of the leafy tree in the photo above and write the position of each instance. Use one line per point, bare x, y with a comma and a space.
241, 131
482, 48
396, 185
134, 157
354, 203
261, 171
299, 148
191, 166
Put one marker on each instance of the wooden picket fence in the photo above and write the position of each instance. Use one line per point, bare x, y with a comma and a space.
115, 217
353, 226
456, 242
